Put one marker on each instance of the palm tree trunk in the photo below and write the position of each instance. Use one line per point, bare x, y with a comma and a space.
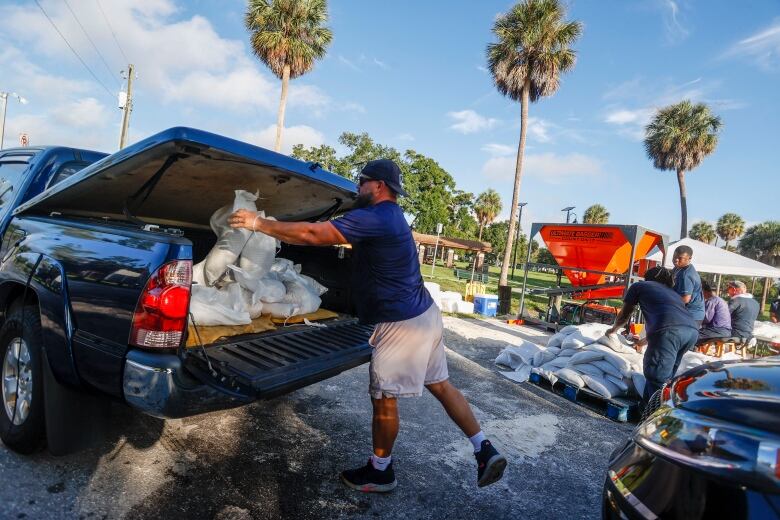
503, 289
726, 247
282, 106
683, 204
474, 265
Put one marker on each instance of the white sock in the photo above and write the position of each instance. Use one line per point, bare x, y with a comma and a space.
476, 441
380, 463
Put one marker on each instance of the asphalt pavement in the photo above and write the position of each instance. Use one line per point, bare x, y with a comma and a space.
281, 458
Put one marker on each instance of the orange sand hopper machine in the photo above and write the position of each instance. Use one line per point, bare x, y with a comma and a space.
595, 258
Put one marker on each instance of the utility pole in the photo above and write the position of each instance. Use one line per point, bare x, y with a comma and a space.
4, 98
126, 107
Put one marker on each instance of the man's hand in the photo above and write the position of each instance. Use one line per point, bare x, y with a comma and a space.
243, 218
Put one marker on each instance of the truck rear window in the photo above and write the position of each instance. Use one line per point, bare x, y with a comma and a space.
10, 173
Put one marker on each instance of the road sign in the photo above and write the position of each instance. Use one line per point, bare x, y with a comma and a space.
24, 139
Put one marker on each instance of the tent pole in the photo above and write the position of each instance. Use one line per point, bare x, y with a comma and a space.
753, 285
718, 289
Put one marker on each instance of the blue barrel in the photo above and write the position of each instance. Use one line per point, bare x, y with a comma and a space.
486, 304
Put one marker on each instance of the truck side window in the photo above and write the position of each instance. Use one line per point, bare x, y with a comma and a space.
66, 170
10, 175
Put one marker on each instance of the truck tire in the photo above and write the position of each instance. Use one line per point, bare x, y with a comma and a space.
22, 423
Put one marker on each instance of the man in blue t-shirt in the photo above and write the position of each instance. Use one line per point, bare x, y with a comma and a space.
671, 330
408, 339
687, 283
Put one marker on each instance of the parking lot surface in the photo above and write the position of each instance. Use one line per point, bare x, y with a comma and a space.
281, 458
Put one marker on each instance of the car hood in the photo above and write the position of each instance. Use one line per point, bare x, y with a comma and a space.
182, 175
745, 392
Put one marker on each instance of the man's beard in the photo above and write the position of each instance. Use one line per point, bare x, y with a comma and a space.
363, 200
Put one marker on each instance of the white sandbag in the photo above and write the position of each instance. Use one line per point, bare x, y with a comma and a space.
567, 352
556, 340
691, 360
588, 369
465, 307
285, 270
199, 273
516, 355
571, 377
568, 329
618, 382
259, 252
212, 306
554, 350
555, 364
548, 374
614, 342
313, 285
434, 289
520, 375
620, 362
602, 387
267, 290
638, 381
231, 241
608, 368
280, 310
219, 219
586, 356
573, 341
542, 357
299, 295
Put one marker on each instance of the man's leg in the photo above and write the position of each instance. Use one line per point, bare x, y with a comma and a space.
658, 363
384, 425
456, 406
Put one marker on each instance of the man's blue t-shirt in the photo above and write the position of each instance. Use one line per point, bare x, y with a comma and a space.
386, 279
688, 282
661, 307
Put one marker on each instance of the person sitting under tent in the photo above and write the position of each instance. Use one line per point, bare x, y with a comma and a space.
717, 319
744, 310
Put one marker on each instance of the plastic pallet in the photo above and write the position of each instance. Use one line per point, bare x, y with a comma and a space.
616, 408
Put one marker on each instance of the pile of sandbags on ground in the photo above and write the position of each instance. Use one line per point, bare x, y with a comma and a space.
767, 331
583, 356
241, 278
448, 301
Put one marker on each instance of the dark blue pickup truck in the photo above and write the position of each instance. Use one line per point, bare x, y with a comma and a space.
95, 278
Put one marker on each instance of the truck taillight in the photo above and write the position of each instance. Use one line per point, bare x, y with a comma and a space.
161, 314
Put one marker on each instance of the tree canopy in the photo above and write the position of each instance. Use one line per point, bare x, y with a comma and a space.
762, 242
729, 227
596, 214
703, 232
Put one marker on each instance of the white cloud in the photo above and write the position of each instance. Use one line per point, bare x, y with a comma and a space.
763, 47
469, 122
674, 29
498, 150
482, 68
405, 137
348, 63
639, 116
301, 134
551, 168
540, 129
87, 112
381, 64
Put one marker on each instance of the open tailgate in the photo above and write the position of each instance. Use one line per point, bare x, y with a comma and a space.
278, 362
180, 176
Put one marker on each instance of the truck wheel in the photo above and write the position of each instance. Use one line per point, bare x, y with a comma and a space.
22, 425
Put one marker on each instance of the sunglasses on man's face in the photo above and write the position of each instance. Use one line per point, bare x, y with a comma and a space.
363, 180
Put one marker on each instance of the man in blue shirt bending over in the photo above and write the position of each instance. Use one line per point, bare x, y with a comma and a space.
408, 342
687, 283
671, 330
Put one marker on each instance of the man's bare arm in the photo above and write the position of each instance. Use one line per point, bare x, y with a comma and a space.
686, 298
296, 233
622, 319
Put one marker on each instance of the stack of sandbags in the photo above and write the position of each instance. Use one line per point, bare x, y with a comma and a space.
240, 278
449, 301
434, 290
767, 331
584, 357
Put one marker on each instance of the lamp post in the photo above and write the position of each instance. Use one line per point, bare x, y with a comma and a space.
439, 227
517, 236
4, 99
568, 212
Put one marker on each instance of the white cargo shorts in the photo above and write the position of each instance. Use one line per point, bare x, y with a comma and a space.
407, 355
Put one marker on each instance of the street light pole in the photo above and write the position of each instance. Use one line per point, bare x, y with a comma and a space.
568, 212
517, 236
4, 98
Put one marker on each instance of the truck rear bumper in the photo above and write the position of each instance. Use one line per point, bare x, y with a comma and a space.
158, 385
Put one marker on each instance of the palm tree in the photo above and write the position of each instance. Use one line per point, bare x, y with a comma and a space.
703, 232
762, 242
596, 214
487, 207
678, 138
532, 51
730, 226
288, 36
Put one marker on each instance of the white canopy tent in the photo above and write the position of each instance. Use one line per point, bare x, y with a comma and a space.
711, 259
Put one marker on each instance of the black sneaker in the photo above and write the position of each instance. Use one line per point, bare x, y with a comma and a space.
369, 479
490, 464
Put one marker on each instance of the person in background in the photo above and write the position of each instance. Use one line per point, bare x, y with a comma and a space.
744, 310
774, 310
671, 330
687, 283
717, 319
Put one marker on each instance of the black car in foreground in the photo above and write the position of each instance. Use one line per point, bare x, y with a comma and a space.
708, 447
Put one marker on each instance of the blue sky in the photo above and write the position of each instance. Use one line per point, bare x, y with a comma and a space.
412, 74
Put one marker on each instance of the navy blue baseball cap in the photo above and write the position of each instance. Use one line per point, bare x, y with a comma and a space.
387, 171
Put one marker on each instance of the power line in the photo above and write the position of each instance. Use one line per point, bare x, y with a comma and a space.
90, 41
112, 31
73, 50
